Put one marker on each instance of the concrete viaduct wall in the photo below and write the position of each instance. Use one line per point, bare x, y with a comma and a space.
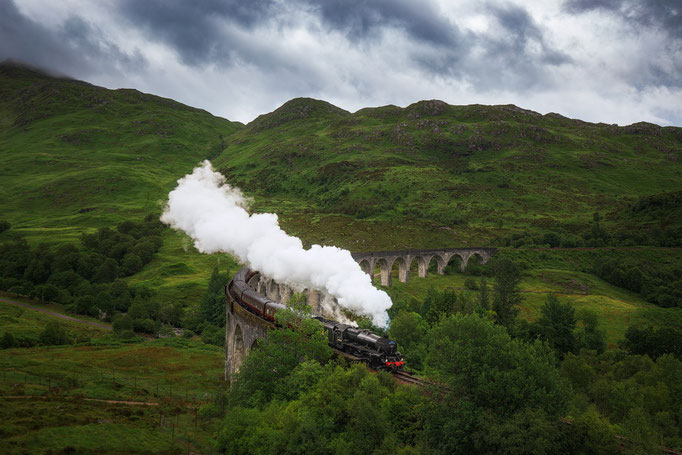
386, 260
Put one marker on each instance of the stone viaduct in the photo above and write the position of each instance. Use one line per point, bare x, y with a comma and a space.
243, 329
387, 259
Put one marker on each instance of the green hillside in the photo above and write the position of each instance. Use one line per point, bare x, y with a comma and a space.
77, 157
433, 174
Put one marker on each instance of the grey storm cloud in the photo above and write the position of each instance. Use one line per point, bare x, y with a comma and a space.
196, 29
200, 32
360, 19
75, 47
518, 52
514, 54
204, 33
663, 14
640, 17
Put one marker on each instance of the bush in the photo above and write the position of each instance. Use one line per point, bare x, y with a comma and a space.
8, 341
209, 410
166, 331
54, 334
471, 284
213, 335
4, 225
144, 325
121, 324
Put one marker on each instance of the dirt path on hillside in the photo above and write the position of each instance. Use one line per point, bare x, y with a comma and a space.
40, 397
52, 313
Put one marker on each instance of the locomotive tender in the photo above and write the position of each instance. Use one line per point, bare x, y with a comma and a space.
376, 351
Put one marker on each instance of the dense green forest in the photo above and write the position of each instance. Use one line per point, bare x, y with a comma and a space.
566, 341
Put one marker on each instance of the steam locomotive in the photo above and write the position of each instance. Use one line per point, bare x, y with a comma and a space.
378, 352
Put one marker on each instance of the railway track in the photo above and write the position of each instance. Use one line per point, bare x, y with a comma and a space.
401, 376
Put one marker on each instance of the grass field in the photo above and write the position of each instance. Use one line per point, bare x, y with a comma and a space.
55, 398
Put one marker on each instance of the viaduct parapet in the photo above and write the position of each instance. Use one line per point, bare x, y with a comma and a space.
385, 260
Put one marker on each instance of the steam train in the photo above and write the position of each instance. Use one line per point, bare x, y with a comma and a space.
378, 352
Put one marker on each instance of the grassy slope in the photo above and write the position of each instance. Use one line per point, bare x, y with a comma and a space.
177, 374
433, 174
78, 157
564, 273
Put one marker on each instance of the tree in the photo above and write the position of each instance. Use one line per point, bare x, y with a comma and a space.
557, 325
131, 264
483, 297
54, 334
47, 292
212, 306
107, 272
481, 361
438, 304
39, 269
8, 341
507, 294
299, 338
592, 336
85, 304
499, 386
407, 328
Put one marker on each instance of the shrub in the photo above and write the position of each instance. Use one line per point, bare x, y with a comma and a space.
8, 341
471, 284
54, 334
122, 323
213, 335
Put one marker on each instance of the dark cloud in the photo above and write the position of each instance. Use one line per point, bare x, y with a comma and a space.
664, 67
195, 29
514, 54
361, 19
518, 52
665, 15
75, 48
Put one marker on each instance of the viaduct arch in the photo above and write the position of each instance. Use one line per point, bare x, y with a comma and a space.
387, 259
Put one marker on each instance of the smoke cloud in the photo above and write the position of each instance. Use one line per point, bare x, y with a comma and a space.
215, 216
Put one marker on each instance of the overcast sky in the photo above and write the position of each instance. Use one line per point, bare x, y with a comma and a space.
613, 61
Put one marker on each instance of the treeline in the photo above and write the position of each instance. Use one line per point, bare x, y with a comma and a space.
595, 235
650, 221
658, 284
52, 335
87, 279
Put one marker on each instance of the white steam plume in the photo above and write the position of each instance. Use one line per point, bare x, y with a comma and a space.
214, 215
